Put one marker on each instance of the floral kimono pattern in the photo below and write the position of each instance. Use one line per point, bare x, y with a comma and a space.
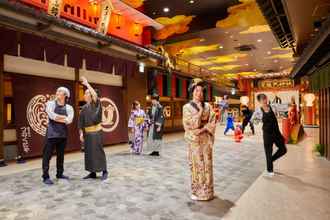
137, 122
200, 148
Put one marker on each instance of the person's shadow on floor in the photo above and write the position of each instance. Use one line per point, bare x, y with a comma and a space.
216, 207
295, 183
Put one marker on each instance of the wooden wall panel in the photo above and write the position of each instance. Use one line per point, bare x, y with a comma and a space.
325, 120
1, 109
327, 147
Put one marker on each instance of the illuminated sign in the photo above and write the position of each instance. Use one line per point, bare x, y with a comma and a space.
276, 84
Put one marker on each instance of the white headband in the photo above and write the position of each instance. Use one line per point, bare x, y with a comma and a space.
65, 90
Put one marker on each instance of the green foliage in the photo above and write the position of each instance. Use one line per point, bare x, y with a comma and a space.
319, 148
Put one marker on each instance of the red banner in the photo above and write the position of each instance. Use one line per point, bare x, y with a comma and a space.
30, 96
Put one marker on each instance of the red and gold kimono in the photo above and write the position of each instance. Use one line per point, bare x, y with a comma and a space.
200, 148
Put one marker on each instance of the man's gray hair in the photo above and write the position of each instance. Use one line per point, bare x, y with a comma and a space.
65, 90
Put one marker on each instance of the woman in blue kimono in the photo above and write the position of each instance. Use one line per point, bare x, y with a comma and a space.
136, 124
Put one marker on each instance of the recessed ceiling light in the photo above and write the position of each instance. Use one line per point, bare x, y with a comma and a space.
259, 40
246, 64
166, 9
154, 13
221, 47
191, 1
269, 52
231, 36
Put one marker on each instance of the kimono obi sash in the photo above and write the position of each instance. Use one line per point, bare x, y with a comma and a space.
139, 120
203, 123
93, 128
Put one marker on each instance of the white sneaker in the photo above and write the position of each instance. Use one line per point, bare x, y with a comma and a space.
193, 197
269, 174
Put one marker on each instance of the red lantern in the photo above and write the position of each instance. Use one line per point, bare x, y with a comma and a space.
118, 20
137, 29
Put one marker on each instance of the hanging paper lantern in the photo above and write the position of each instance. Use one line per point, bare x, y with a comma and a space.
244, 100
118, 20
137, 29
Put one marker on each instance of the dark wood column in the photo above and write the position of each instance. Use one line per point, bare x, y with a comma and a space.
327, 146
76, 87
2, 147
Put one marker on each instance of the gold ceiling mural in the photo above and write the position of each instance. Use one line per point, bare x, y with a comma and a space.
134, 3
244, 15
199, 49
175, 25
281, 56
256, 29
218, 59
224, 68
177, 48
235, 75
280, 48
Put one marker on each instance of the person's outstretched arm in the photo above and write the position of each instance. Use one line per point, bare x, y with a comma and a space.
90, 88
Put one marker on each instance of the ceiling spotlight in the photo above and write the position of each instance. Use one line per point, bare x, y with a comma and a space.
246, 64
154, 13
191, 1
259, 40
269, 52
221, 47
166, 9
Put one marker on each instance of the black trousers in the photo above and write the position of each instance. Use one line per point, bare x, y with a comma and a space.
50, 145
269, 140
245, 123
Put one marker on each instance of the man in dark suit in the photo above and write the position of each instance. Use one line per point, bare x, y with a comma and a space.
156, 118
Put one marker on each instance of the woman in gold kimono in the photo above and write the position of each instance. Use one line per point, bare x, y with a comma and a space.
199, 123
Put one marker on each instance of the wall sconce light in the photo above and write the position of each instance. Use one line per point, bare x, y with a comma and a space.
137, 29
118, 20
309, 99
244, 100
141, 67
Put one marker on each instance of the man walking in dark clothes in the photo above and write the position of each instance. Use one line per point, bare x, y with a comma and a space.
271, 132
247, 114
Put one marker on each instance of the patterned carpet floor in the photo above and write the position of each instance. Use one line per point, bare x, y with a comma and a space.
139, 188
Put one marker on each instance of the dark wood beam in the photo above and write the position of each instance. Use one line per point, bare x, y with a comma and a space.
2, 144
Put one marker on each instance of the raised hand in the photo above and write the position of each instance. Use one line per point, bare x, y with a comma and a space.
84, 81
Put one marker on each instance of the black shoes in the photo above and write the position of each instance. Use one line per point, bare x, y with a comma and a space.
154, 153
48, 181
104, 175
62, 177
90, 176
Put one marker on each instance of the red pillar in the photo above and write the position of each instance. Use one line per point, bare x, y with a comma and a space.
160, 84
173, 84
184, 88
